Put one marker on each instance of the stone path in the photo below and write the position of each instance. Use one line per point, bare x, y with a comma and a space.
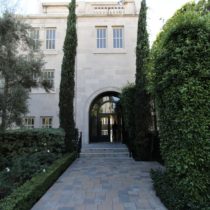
103, 184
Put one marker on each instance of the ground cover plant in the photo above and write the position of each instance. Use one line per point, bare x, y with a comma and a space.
25, 196
25, 153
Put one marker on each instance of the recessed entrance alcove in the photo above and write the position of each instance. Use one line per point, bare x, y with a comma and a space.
105, 118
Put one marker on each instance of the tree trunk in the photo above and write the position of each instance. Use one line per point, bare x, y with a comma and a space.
4, 106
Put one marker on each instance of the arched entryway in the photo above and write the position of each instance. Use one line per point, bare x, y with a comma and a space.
105, 118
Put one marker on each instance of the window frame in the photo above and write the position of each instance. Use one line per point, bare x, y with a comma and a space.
101, 37
51, 80
118, 38
29, 125
36, 37
49, 124
50, 43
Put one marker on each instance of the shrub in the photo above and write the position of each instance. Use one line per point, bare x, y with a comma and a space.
15, 142
182, 86
25, 166
4, 162
127, 99
26, 195
147, 149
173, 199
25, 153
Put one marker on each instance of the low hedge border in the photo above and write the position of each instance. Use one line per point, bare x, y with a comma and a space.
26, 195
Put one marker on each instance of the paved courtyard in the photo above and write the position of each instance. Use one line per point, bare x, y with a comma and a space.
103, 184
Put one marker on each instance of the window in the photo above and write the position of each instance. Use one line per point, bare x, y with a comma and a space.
46, 122
28, 122
48, 75
101, 37
118, 37
35, 77
35, 36
50, 38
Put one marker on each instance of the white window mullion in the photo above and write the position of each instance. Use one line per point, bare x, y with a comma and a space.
28, 122
48, 75
50, 38
118, 37
46, 122
101, 37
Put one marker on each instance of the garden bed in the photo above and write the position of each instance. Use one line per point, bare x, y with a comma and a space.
27, 194
25, 153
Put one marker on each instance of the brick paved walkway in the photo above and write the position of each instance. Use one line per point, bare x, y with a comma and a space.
103, 184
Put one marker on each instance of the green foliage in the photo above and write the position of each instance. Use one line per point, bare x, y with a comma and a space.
22, 168
18, 142
24, 153
150, 143
165, 187
142, 110
18, 66
66, 101
181, 83
142, 48
127, 99
26, 195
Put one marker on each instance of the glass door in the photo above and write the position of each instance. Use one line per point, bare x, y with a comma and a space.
105, 119
105, 128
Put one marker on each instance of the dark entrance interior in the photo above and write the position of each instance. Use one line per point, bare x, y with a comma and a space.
105, 118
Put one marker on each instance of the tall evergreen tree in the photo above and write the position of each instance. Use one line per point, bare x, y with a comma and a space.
142, 99
66, 102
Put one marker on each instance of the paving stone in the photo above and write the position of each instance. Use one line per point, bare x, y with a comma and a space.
66, 208
118, 206
91, 207
103, 184
80, 207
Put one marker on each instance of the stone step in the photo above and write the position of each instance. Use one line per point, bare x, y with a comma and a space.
104, 150
106, 154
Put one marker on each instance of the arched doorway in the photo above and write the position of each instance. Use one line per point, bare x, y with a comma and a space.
105, 118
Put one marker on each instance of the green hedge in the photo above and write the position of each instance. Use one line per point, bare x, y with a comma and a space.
26, 195
147, 149
24, 153
181, 72
165, 189
15, 142
127, 99
173, 199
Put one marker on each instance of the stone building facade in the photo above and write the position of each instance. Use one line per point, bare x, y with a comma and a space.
105, 60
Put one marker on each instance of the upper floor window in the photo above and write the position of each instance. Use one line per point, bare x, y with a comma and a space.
35, 36
46, 122
28, 122
50, 38
118, 37
101, 37
48, 75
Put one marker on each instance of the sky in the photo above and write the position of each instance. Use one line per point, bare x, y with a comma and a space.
158, 11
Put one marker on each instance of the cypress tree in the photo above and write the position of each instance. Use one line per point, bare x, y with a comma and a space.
142, 99
66, 101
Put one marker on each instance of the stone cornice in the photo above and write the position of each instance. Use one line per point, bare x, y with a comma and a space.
79, 16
